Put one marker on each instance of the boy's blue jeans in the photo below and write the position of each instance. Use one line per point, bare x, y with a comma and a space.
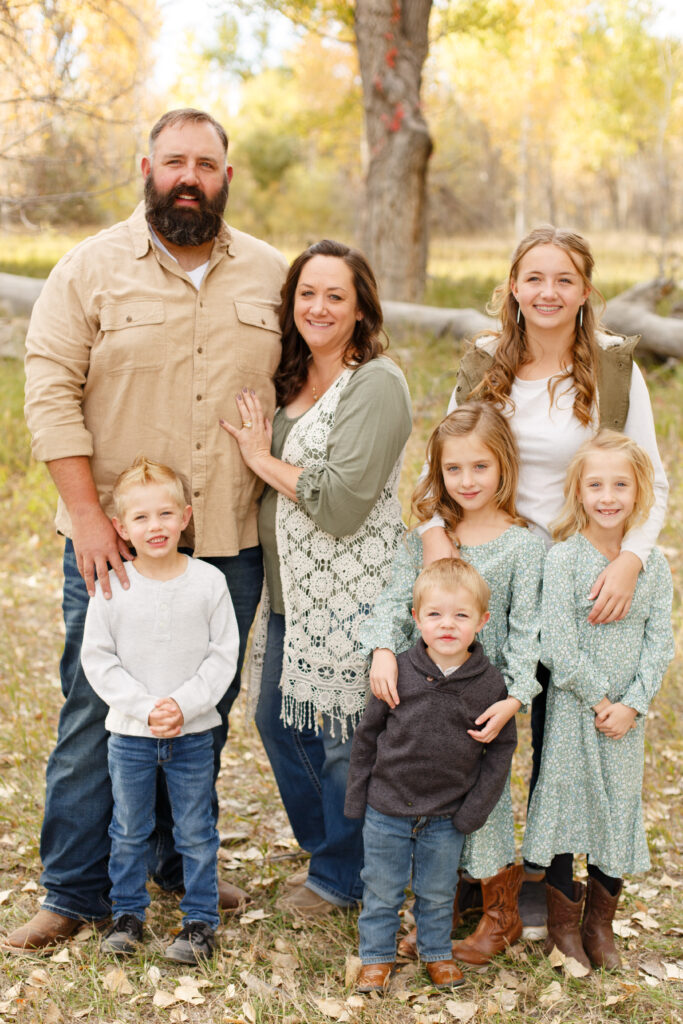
187, 765
422, 852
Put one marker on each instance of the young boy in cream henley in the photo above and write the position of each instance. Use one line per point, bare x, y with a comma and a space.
161, 655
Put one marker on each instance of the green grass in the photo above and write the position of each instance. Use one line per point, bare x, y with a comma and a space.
272, 970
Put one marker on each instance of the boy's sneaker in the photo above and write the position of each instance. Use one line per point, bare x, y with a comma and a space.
195, 942
124, 936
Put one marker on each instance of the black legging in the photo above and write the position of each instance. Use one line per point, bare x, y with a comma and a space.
560, 875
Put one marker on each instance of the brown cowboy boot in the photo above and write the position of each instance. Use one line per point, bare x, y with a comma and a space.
407, 947
500, 924
563, 923
596, 929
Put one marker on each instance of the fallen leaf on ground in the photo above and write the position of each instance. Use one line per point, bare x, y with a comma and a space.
332, 1008
254, 915
508, 979
567, 963
653, 967
5, 894
285, 961
178, 1016
153, 975
461, 1011
84, 933
623, 929
355, 1002
163, 998
30, 887
189, 994
671, 883
507, 997
551, 995
353, 966
116, 981
646, 920
39, 978
257, 985
652, 982
612, 1000
52, 1014
249, 1012
674, 972
13, 992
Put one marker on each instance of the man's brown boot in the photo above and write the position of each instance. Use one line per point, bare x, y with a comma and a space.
44, 931
563, 923
596, 930
500, 924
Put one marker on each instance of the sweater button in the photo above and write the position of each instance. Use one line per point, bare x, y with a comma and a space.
430, 679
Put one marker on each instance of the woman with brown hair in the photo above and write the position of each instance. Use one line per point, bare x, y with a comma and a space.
329, 524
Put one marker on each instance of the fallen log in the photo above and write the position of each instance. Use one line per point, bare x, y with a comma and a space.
631, 312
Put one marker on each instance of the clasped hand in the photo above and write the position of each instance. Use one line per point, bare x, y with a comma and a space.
614, 720
165, 719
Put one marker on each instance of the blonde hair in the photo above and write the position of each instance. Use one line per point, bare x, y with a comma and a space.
573, 517
430, 496
512, 351
449, 574
142, 472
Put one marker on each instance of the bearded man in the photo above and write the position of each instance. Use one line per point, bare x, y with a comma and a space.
137, 345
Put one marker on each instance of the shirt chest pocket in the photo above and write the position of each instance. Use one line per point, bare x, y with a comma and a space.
132, 336
258, 346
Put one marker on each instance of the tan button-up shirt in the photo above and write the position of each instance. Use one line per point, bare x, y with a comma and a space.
125, 357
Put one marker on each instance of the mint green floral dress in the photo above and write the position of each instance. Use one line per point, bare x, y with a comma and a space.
588, 795
512, 565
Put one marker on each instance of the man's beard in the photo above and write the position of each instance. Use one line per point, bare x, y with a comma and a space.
182, 225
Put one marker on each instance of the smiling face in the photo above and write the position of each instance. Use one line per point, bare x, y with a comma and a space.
471, 472
326, 305
186, 183
607, 491
549, 288
152, 522
448, 621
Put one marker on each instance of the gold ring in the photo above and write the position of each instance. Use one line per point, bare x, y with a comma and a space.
248, 424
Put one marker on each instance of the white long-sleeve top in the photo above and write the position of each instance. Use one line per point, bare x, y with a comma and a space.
548, 437
162, 638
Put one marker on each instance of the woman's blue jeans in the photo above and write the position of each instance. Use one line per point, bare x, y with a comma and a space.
421, 852
310, 768
187, 766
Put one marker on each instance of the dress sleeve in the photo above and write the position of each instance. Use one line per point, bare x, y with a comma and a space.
658, 642
391, 624
572, 669
363, 755
640, 426
203, 690
372, 424
522, 649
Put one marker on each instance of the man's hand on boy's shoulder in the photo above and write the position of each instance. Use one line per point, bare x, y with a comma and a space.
165, 719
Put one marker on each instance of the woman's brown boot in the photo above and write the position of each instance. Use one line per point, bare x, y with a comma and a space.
407, 946
500, 924
563, 923
596, 929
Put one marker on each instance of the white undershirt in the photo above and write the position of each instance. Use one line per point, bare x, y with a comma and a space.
196, 275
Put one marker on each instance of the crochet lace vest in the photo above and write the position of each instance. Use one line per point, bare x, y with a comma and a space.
329, 586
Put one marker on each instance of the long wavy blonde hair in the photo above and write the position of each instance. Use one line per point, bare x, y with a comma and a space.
430, 496
512, 350
572, 519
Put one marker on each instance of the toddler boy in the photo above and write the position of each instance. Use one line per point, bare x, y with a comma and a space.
420, 780
161, 655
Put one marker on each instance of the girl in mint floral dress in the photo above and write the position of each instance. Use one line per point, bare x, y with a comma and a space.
602, 680
471, 483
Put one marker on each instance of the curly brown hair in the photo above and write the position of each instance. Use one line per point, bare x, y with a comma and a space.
368, 339
512, 351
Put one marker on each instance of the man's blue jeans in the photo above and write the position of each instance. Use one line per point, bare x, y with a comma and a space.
426, 850
187, 765
310, 768
74, 845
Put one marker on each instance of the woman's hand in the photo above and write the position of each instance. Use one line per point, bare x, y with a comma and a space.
613, 589
384, 676
255, 437
495, 717
616, 720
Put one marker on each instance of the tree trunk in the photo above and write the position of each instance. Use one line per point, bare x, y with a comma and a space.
392, 41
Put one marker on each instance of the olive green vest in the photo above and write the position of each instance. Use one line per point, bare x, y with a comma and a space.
615, 365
